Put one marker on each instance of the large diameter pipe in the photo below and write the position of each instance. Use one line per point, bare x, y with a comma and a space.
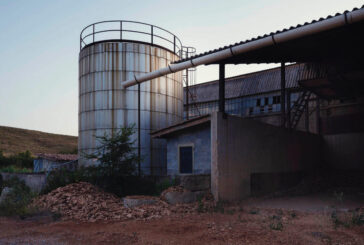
306, 30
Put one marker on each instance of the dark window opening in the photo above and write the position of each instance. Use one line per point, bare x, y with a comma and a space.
266, 101
276, 99
185, 159
258, 102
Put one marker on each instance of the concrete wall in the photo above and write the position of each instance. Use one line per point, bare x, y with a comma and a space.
240, 147
200, 138
344, 151
35, 181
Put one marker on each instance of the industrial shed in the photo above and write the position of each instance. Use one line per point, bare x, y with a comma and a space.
329, 51
47, 161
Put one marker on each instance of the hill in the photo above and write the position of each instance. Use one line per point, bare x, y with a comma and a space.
15, 140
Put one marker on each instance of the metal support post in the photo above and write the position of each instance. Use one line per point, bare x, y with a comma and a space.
187, 94
318, 120
222, 88
289, 121
151, 36
283, 94
93, 33
121, 30
139, 143
307, 117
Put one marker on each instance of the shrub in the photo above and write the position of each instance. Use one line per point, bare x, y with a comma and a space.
116, 153
254, 211
15, 169
21, 160
116, 171
278, 226
164, 184
357, 218
18, 200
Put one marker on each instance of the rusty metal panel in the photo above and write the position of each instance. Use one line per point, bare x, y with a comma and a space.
104, 106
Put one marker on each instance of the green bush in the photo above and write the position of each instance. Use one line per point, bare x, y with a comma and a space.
20, 160
15, 169
164, 184
18, 200
117, 169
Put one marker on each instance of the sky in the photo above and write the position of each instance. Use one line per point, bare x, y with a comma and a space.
39, 44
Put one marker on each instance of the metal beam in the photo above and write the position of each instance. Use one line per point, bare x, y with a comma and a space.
307, 116
139, 143
289, 120
187, 94
222, 88
318, 119
283, 94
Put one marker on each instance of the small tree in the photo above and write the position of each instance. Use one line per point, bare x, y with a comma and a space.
116, 153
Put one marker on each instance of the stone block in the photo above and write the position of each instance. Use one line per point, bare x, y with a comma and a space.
130, 202
183, 197
200, 182
5, 192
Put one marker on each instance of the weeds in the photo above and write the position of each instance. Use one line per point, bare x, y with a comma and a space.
219, 207
230, 211
200, 207
164, 184
357, 218
18, 200
15, 169
277, 226
240, 219
254, 211
335, 219
339, 196
276, 223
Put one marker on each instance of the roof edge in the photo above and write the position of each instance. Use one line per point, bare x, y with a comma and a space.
162, 133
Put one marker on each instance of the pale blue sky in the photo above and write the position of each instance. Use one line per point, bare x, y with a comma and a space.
39, 44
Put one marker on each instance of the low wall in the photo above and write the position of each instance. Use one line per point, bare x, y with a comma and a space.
344, 151
241, 147
35, 181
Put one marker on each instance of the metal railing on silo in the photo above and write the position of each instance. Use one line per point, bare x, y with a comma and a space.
125, 30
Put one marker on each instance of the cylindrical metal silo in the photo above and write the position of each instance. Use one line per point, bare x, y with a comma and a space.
105, 106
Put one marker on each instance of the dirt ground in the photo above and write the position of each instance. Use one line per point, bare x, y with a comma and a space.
255, 221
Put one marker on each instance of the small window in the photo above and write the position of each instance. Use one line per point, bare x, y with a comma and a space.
258, 102
185, 159
266, 101
276, 99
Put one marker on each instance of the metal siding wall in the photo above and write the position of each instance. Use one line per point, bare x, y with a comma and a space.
104, 106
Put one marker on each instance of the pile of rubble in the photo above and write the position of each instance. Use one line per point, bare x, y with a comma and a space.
85, 202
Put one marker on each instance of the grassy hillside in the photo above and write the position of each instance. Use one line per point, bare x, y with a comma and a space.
15, 140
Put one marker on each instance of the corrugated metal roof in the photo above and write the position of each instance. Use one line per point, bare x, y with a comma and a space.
248, 84
266, 35
57, 157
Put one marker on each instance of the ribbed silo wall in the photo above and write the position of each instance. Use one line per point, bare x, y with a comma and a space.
104, 106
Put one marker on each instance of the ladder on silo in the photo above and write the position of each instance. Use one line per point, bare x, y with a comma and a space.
189, 79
